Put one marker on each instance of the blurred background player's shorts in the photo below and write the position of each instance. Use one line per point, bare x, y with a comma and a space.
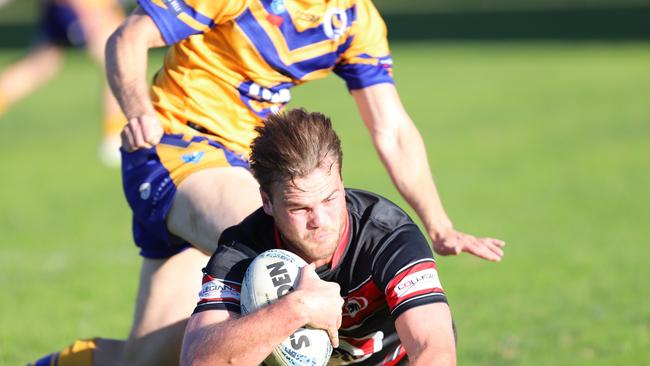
60, 25
150, 177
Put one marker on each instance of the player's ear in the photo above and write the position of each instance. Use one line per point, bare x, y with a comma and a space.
266, 202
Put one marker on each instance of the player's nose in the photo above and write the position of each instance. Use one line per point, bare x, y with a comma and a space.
316, 217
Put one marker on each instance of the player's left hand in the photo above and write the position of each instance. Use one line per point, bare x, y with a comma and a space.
452, 242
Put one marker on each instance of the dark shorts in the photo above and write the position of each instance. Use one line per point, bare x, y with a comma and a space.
150, 177
60, 25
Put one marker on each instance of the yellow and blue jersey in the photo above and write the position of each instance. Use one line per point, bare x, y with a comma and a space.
233, 62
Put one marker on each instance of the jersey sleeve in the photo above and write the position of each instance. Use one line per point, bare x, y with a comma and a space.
406, 270
223, 276
179, 19
367, 61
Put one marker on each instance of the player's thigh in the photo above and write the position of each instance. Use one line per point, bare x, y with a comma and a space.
211, 200
166, 298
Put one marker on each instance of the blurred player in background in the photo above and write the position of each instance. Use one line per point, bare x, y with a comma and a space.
68, 23
230, 65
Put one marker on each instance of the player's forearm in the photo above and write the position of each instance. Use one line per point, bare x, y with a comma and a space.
402, 151
247, 340
405, 158
126, 69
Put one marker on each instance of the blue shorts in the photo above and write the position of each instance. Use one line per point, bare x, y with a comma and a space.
60, 25
150, 177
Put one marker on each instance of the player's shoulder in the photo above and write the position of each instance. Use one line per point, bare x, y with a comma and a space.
255, 231
371, 208
239, 244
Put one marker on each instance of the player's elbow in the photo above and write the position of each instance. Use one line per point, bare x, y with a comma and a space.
187, 352
192, 351
123, 35
116, 42
109, 48
195, 352
136, 32
434, 356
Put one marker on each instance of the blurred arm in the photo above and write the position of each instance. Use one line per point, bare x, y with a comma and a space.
402, 151
427, 335
97, 23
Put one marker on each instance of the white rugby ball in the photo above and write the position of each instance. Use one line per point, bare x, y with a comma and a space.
270, 276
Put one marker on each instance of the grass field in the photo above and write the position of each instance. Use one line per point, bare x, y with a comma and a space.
546, 145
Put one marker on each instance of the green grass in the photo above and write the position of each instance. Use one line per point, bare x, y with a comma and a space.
544, 145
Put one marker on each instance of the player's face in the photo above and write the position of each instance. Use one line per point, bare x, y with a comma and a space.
310, 213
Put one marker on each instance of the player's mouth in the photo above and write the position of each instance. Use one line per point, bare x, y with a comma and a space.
322, 236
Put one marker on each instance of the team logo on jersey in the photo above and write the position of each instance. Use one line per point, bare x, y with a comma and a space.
335, 23
194, 157
386, 62
277, 8
354, 305
145, 190
426, 279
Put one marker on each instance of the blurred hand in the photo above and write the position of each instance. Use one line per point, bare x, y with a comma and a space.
452, 242
141, 132
321, 302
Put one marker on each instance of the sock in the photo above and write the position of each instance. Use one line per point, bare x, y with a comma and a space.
79, 353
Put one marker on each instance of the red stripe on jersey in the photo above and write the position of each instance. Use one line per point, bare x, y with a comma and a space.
392, 359
406, 283
343, 242
276, 235
361, 303
223, 299
207, 278
367, 345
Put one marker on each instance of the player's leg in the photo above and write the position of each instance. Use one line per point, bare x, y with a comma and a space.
29, 73
103, 23
43, 61
96, 22
167, 294
189, 186
166, 297
112, 124
206, 203
209, 201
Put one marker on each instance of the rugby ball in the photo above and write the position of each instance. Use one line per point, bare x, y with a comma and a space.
270, 276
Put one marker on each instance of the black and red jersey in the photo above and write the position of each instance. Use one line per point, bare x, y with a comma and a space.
383, 264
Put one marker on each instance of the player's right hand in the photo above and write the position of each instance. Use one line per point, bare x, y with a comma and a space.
141, 132
321, 301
